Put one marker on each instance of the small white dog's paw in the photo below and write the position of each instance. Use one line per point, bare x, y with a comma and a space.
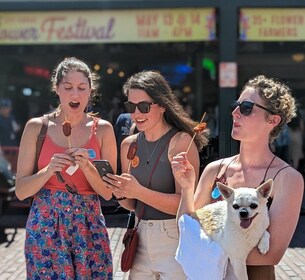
263, 245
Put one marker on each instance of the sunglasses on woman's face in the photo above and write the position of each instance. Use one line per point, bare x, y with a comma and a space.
143, 107
246, 107
69, 187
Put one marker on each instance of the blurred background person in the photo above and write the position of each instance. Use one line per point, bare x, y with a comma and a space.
8, 125
296, 131
124, 126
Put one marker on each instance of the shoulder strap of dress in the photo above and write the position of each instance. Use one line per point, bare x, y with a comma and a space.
230, 163
173, 132
280, 171
223, 176
219, 167
268, 168
40, 139
94, 125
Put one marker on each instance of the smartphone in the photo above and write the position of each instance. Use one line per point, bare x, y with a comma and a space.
103, 167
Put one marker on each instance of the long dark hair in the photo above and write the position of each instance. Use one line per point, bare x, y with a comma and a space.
155, 85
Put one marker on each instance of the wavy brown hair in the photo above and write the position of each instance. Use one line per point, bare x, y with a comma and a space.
155, 85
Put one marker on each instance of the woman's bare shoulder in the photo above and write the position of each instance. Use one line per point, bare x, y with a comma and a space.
31, 131
34, 124
182, 136
179, 142
220, 162
291, 175
104, 127
214, 167
103, 123
130, 139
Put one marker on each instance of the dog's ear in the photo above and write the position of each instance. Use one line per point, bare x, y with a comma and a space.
265, 189
225, 191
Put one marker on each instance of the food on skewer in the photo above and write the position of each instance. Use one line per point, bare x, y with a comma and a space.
133, 160
66, 128
131, 155
198, 128
132, 151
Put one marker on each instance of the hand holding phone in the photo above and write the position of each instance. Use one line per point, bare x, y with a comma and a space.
103, 167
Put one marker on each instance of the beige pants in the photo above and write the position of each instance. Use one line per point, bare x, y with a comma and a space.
155, 257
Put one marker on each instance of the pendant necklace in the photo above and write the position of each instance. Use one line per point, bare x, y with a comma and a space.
152, 153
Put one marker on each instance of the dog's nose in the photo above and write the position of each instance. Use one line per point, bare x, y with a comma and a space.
243, 213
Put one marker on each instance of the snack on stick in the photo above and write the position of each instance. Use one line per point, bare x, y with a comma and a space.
198, 128
66, 128
132, 150
131, 154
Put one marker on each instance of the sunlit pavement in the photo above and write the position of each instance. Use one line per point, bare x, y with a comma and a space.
12, 263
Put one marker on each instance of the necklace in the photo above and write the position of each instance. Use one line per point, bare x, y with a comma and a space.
149, 157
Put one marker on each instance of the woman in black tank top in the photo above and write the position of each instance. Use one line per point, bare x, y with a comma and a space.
260, 113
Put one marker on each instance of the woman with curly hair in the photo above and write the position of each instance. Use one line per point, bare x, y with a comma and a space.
259, 114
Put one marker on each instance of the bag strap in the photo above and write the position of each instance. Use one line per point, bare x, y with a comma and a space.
40, 139
152, 172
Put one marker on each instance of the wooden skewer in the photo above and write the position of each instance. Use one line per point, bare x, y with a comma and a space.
129, 165
187, 150
191, 142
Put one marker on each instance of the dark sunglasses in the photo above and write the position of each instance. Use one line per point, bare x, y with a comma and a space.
143, 107
69, 187
246, 107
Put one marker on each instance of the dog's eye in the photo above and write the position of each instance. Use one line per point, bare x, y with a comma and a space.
253, 205
235, 206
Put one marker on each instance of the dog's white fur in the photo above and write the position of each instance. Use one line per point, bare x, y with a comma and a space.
236, 224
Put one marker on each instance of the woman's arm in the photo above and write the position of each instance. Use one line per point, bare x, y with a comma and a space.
184, 173
206, 184
128, 203
27, 183
284, 214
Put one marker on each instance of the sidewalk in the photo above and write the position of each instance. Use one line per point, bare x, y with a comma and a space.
12, 263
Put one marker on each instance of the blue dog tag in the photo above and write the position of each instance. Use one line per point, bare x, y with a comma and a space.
216, 193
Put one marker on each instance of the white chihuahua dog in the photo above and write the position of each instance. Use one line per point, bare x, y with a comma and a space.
239, 223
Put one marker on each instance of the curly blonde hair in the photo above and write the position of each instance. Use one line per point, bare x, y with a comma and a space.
277, 98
